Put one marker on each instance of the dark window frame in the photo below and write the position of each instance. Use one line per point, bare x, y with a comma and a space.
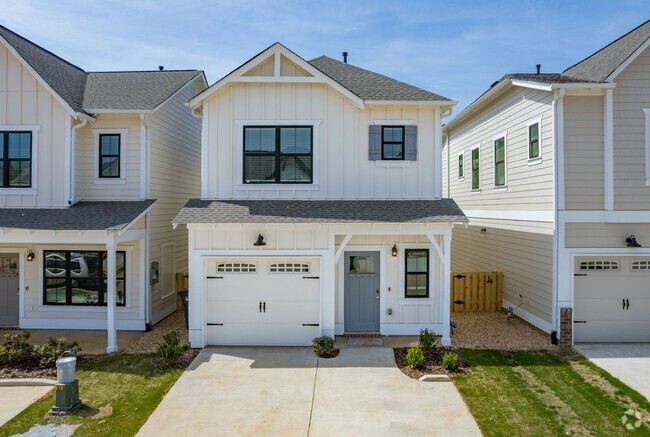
4, 182
384, 143
477, 170
101, 293
497, 163
407, 273
530, 141
118, 156
461, 165
279, 155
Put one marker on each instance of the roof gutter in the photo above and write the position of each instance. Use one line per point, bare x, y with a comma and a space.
73, 155
449, 103
476, 104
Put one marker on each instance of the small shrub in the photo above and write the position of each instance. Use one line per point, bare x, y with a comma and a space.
16, 351
450, 361
428, 341
325, 347
415, 357
171, 349
52, 349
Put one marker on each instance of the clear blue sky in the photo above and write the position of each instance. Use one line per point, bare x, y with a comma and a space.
455, 48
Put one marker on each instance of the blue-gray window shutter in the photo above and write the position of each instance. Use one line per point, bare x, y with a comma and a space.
374, 143
410, 143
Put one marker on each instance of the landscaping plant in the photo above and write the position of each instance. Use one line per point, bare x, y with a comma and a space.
428, 341
450, 361
16, 351
52, 349
171, 348
325, 347
415, 357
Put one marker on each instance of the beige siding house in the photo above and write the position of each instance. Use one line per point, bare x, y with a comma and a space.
86, 200
558, 195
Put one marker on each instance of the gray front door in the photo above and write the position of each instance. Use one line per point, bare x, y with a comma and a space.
9, 289
361, 291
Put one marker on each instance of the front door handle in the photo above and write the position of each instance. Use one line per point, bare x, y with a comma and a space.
377, 296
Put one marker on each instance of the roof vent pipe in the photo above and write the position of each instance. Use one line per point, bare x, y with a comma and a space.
345, 57
161, 67
539, 68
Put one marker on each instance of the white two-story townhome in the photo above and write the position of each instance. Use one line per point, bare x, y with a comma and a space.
553, 172
321, 208
93, 167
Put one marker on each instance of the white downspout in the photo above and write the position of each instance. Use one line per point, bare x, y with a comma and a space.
145, 152
558, 149
73, 155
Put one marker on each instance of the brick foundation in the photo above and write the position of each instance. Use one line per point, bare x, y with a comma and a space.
566, 327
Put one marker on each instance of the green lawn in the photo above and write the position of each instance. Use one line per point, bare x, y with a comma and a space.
118, 392
542, 393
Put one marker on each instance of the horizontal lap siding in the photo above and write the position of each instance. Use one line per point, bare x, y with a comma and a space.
584, 152
632, 93
175, 136
525, 258
606, 234
528, 187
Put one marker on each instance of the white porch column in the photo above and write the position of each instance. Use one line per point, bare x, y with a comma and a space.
110, 293
446, 292
328, 289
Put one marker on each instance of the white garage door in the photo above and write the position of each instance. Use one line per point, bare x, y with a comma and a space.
262, 301
612, 299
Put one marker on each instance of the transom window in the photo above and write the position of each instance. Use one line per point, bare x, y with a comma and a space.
109, 155
500, 162
476, 169
599, 265
278, 154
392, 143
417, 272
533, 141
289, 268
80, 278
15, 159
236, 268
461, 166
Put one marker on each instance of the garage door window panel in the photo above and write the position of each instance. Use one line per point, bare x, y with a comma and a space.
599, 265
640, 265
236, 268
289, 268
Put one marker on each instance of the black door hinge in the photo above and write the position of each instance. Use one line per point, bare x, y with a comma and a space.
579, 274
214, 277
459, 302
215, 324
310, 324
459, 276
311, 277
579, 321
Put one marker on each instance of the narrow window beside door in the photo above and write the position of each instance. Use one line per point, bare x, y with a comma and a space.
417, 273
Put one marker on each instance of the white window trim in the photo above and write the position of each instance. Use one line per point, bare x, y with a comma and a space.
462, 156
647, 146
389, 163
537, 160
239, 173
392, 122
173, 285
110, 181
503, 187
433, 275
471, 169
34, 128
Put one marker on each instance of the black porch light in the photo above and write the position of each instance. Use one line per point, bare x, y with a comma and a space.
30, 256
260, 241
631, 241
393, 251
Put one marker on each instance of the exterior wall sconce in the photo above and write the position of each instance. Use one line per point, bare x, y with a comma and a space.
260, 241
30, 256
393, 251
631, 241
483, 231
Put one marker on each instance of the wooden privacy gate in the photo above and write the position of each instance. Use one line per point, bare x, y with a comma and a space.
476, 291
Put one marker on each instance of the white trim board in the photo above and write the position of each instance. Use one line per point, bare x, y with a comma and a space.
522, 215
530, 318
628, 61
604, 216
94, 324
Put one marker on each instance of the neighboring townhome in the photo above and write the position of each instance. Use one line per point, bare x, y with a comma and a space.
553, 172
83, 243
321, 207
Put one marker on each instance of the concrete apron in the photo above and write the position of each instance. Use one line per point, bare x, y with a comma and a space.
16, 399
289, 392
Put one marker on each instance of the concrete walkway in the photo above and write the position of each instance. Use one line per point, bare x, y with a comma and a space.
16, 399
629, 362
289, 392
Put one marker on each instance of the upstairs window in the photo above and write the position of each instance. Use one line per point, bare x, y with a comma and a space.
16, 159
476, 168
278, 155
533, 141
461, 166
109, 155
500, 162
392, 143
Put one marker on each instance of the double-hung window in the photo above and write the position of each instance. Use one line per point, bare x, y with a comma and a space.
461, 166
500, 162
15, 159
392, 143
476, 168
533, 141
80, 278
417, 272
109, 155
278, 155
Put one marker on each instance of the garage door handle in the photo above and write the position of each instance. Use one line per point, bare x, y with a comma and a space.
260, 306
626, 304
264, 306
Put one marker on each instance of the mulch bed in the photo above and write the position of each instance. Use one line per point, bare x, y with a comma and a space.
432, 363
183, 362
20, 372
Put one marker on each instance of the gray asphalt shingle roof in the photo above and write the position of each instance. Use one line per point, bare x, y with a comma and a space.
598, 66
319, 211
372, 86
544, 78
82, 216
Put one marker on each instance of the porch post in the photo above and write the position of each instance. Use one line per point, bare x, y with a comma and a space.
446, 292
110, 293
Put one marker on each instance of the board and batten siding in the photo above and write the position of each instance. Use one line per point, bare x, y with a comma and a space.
529, 187
90, 188
344, 170
525, 258
25, 102
631, 95
175, 177
584, 178
609, 235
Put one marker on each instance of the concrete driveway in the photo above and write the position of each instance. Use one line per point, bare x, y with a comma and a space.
16, 398
629, 362
289, 392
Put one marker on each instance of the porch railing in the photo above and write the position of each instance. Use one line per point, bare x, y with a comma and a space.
476, 291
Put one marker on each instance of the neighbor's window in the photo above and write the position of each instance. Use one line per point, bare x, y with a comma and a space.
392, 143
476, 169
461, 166
16, 159
417, 272
79, 278
500, 162
109, 155
533, 141
278, 155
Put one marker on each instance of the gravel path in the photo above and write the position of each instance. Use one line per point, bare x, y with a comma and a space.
492, 330
149, 341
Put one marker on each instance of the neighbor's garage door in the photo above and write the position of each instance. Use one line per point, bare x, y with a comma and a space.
612, 299
263, 301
